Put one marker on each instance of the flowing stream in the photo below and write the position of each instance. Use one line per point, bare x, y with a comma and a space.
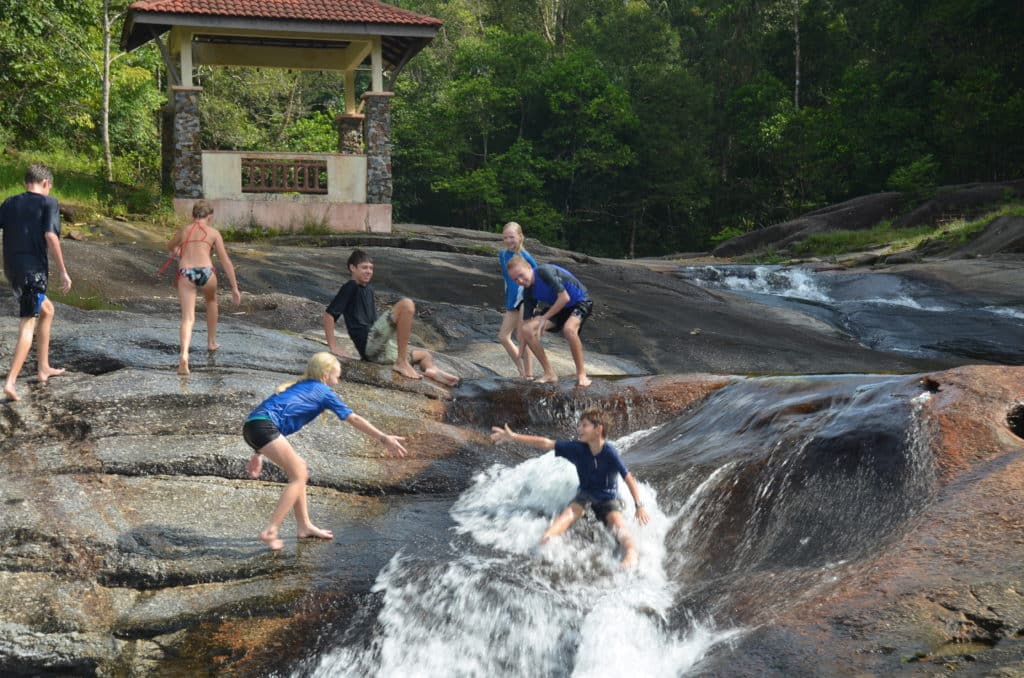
767, 490
883, 311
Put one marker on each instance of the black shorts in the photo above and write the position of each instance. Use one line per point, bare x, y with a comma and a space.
258, 433
29, 293
581, 310
601, 507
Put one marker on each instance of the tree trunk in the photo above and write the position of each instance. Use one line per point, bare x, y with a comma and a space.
796, 54
105, 118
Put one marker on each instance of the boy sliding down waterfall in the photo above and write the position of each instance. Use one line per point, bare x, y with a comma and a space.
597, 464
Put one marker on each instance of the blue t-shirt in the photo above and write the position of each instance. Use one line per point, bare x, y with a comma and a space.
597, 472
548, 282
25, 219
299, 404
513, 290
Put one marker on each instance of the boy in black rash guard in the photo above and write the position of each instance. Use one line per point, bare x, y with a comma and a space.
380, 340
598, 467
30, 223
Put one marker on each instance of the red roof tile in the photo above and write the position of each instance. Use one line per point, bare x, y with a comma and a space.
342, 11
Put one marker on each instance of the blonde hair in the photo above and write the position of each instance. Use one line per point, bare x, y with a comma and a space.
201, 209
317, 369
516, 260
519, 231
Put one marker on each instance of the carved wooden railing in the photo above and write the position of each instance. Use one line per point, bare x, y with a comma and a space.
266, 175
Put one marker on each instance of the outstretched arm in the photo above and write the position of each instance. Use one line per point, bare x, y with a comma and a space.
229, 269
500, 435
393, 444
641, 512
53, 244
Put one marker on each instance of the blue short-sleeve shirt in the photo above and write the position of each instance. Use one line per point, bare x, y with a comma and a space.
597, 472
299, 404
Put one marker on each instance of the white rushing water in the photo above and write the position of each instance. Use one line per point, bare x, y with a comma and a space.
795, 283
499, 604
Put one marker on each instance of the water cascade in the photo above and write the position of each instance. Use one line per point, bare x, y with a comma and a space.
766, 490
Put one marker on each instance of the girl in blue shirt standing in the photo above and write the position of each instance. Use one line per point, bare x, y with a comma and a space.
293, 406
512, 234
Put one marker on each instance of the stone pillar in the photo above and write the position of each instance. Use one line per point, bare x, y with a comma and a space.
187, 166
350, 133
167, 149
377, 134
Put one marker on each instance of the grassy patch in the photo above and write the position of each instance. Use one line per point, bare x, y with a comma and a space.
255, 232
85, 298
78, 180
953, 233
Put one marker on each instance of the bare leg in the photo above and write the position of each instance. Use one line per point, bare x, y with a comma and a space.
280, 452
525, 361
402, 313
528, 337
46, 314
26, 327
212, 311
426, 363
562, 523
617, 525
509, 323
187, 299
571, 332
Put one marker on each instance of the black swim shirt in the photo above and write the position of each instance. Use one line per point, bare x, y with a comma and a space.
25, 220
355, 302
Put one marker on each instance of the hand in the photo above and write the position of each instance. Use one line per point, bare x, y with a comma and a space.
501, 435
236, 296
255, 465
393, 444
65, 282
642, 516
341, 354
541, 324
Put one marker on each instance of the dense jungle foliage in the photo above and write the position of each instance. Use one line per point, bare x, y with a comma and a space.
615, 127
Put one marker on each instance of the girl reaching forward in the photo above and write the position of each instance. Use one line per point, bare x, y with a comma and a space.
293, 406
513, 237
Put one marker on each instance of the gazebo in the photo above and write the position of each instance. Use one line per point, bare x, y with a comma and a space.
347, 190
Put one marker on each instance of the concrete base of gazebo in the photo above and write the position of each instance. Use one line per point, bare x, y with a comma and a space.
293, 213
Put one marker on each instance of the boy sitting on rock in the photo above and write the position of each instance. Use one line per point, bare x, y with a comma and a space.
384, 339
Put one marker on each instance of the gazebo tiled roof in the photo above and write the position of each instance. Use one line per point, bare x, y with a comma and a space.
342, 11
403, 32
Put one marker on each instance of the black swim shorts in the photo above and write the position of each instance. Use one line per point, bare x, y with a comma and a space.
258, 433
601, 507
29, 293
581, 310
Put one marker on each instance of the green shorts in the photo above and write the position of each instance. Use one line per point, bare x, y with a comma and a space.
381, 342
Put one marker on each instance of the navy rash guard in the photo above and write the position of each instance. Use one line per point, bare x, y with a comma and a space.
355, 302
597, 472
299, 404
548, 282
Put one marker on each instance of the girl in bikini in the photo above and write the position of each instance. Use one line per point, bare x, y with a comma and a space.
513, 237
293, 406
193, 246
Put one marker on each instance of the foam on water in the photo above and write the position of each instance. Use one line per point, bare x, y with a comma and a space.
1006, 312
907, 302
502, 605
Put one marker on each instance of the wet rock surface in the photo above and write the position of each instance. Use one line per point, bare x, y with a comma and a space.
129, 528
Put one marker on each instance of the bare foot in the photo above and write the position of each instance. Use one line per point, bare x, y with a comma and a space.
630, 559
213, 347
406, 370
183, 367
548, 378
269, 537
47, 372
314, 531
11, 394
583, 381
254, 466
442, 377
